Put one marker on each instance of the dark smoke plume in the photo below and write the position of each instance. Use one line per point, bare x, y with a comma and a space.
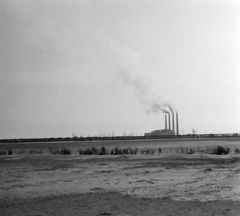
126, 62
141, 88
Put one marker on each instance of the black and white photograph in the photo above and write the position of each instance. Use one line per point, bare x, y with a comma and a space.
120, 107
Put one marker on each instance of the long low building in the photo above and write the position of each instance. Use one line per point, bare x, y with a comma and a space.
160, 132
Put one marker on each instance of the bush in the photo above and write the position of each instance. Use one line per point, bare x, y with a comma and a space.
88, 151
134, 151
54, 151
237, 150
190, 151
147, 151
35, 151
103, 151
3, 153
94, 151
117, 151
21, 151
220, 150
65, 151
80, 151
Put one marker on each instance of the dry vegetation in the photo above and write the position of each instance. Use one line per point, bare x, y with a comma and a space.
132, 178
217, 150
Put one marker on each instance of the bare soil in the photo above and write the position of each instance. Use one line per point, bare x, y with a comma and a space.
169, 183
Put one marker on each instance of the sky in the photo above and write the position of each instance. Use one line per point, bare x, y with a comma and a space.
101, 67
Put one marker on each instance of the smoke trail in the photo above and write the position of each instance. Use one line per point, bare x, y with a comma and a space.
141, 88
125, 64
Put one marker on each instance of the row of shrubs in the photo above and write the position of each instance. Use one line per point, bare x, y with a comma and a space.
62, 151
219, 150
9, 152
186, 151
21, 151
103, 151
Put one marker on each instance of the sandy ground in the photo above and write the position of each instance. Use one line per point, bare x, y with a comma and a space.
169, 183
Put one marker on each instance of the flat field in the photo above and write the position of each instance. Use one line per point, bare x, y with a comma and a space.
172, 182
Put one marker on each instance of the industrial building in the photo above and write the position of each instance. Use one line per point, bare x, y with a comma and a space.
160, 132
168, 129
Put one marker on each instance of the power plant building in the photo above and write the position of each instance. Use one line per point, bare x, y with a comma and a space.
160, 132
166, 131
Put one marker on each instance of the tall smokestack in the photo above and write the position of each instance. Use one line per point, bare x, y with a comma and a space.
177, 123
169, 121
173, 128
165, 121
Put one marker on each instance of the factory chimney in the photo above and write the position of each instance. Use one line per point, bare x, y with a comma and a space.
173, 128
177, 124
169, 121
165, 122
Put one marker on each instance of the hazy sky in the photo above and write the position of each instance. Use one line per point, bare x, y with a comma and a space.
87, 67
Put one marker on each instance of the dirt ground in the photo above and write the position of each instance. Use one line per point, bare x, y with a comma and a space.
169, 183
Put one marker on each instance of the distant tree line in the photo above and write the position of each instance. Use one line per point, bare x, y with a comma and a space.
96, 138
